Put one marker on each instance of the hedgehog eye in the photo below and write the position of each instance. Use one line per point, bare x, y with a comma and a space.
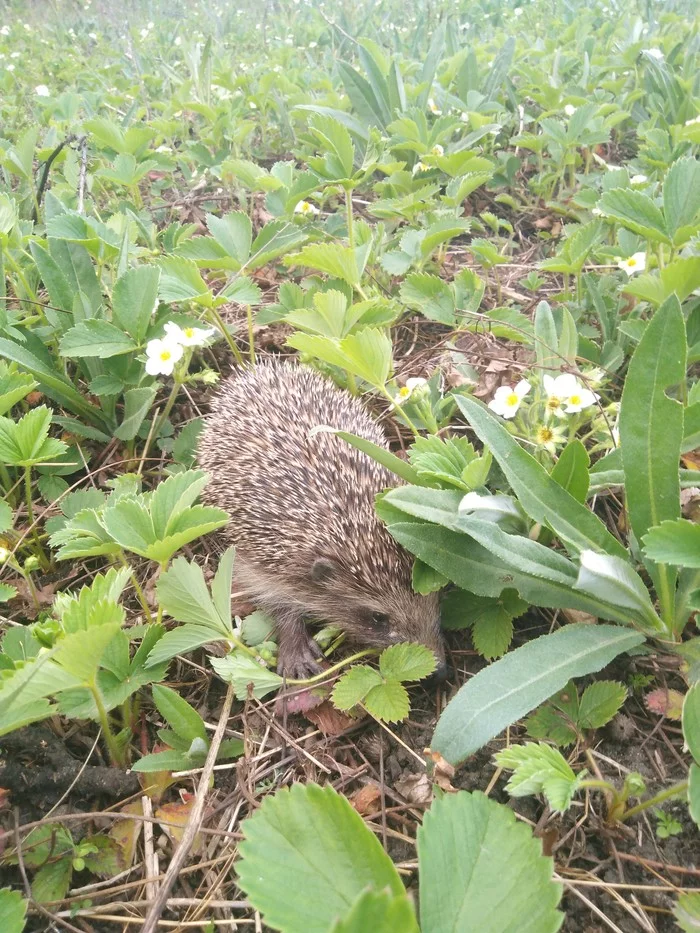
380, 620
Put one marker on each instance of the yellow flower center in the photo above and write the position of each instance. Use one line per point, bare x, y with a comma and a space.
553, 403
189, 332
404, 392
545, 435
165, 355
575, 399
631, 262
512, 400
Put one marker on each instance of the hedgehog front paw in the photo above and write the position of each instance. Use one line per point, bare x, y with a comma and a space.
299, 659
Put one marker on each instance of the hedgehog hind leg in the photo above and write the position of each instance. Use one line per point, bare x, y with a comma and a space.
299, 655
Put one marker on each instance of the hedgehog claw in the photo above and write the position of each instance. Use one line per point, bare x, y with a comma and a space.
299, 660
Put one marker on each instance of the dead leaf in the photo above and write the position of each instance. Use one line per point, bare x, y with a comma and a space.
365, 799
126, 832
300, 701
668, 703
443, 771
329, 720
416, 788
173, 817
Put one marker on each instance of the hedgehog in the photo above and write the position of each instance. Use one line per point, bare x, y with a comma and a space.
309, 544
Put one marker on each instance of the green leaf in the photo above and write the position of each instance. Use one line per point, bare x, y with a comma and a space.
430, 296
467, 845
681, 196
165, 761
134, 300
546, 340
542, 497
388, 701
511, 687
636, 211
241, 670
51, 382
651, 433
183, 594
182, 718
306, 858
367, 354
275, 238
612, 579
52, 881
137, 404
181, 281
379, 912
687, 910
393, 463
26, 442
354, 685
233, 232
13, 913
599, 703
338, 261
95, 338
691, 721
675, 542
61, 294
571, 470
406, 662
539, 769
15, 385
493, 634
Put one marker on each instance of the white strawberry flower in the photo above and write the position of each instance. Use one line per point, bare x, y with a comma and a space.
5, 31
635, 263
569, 110
566, 395
420, 167
433, 107
507, 399
654, 53
161, 357
306, 209
406, 391
187, 336
638, 180
42, 91
550, 437
437, 150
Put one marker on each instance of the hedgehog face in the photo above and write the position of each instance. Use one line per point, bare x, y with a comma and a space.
378, 618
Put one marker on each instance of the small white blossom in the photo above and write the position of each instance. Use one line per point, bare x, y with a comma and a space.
693, 121
4, 554
144, 33
92, 35
638, 179
420, 167
433, 107
437, 150
464, 116
635, 263
178, 41
549, 437
187, 336
306, 209
569, 110
597, 212
252, 105
5, 31
15, 54
405, 392
506, 401
162, 355
10, 67
566, 395
42, 91
654, 53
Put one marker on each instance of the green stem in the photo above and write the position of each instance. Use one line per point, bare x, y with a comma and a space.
350, 222
251, 338
674, 791
5, 478
218, 320
336, 667
115, 752
352, 384
385, 392
28, 495
140, 595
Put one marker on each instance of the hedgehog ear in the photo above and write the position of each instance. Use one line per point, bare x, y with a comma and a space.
323, 569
